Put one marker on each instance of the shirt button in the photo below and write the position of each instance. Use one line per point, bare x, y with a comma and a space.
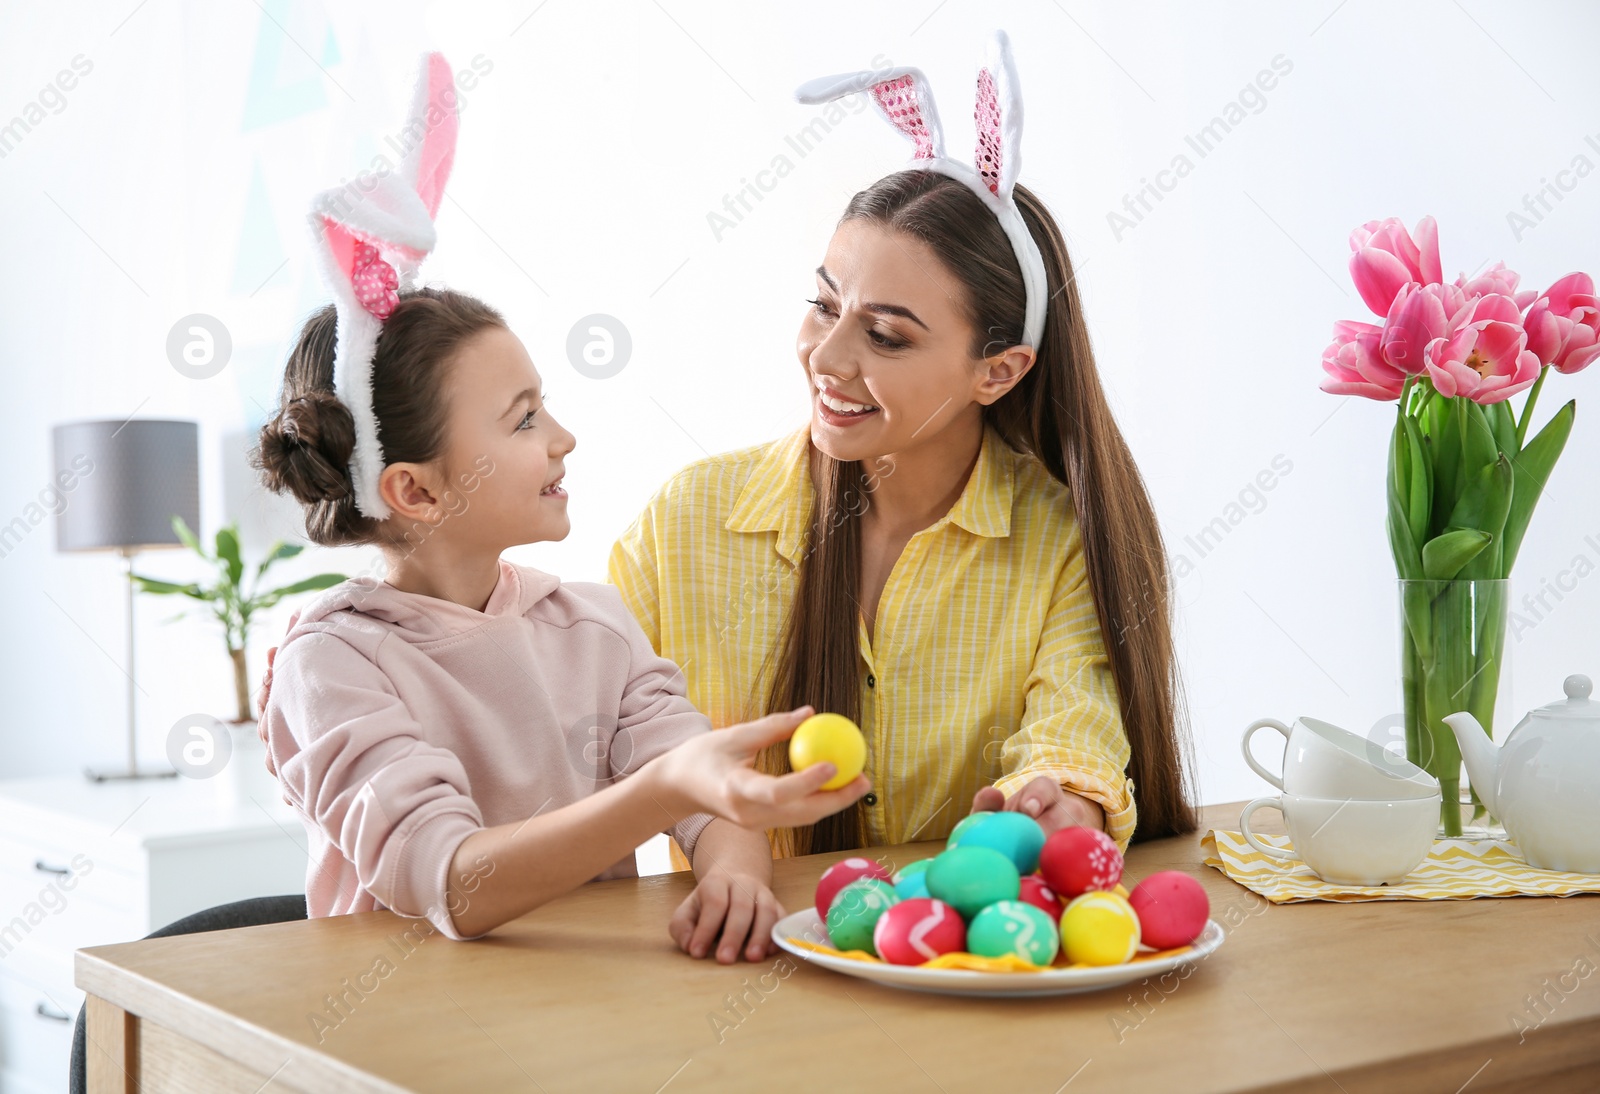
870, 798
872, 681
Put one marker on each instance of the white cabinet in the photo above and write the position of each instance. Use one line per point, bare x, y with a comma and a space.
85, 864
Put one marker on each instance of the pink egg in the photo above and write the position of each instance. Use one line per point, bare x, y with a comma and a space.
1172, 909
918, 930
1037, 891
839, 875
1077, 860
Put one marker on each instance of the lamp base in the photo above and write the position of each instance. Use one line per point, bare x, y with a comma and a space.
114, 774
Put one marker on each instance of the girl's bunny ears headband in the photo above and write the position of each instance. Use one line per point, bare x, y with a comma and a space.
904, 99
372, 233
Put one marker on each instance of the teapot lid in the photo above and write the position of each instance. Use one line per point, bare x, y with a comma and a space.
1577, 703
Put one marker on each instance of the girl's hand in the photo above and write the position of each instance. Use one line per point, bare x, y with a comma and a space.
715, 773
736, 908
1044, 801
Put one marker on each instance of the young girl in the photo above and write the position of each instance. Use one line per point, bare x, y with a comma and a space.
467, 738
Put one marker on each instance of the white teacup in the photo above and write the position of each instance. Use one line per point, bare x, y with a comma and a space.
1323, 761
1350, 842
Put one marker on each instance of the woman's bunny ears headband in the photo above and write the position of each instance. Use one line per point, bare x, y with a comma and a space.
371, 235
904, 99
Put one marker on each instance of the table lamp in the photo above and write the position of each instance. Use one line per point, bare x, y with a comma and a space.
141, 473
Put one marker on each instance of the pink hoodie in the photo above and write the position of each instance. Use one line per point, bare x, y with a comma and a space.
400, 724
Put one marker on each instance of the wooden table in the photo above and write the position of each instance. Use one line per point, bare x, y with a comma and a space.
587, 993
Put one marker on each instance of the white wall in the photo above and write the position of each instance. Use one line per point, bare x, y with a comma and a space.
174, 179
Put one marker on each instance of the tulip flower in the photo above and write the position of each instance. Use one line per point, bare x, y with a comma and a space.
1564, 324
1496, 280
1384, 257
1355, 365
1485, 359
1419, 314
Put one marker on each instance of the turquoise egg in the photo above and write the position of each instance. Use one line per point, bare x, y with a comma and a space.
963, 824
855, 911
911, 885
971, 878
1014, 927
910, 868
1015, 835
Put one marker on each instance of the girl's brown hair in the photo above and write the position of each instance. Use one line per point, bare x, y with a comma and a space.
1058, 413
305, 448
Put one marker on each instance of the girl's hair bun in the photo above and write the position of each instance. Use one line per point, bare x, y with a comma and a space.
306, 448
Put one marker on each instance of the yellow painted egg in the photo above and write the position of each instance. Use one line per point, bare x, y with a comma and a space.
829, 738
1099, 928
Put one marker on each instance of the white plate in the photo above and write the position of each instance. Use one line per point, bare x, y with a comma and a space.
807, 926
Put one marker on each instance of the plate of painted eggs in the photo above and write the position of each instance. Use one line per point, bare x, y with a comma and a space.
1005, 911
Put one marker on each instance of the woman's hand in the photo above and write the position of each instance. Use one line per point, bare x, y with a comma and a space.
1044, 801
737, 908
715, 773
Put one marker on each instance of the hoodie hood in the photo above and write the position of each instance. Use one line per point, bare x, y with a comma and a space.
419, 618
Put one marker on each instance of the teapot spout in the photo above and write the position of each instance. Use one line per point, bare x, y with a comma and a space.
1480, 755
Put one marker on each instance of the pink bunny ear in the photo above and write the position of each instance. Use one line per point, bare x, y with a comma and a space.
998, 115
432, 129
902, 97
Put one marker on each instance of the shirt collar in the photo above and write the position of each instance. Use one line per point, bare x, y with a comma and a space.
778, 497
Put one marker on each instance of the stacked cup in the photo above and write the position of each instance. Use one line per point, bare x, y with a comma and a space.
1357, 814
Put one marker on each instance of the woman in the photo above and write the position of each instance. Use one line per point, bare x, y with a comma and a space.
957, 551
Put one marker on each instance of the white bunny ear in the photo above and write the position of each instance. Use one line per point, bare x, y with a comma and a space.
371, 234
998, 115
902, 97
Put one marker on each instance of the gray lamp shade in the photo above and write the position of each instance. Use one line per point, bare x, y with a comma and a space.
133, 476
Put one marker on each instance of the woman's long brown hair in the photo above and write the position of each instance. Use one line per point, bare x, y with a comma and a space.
1058, 413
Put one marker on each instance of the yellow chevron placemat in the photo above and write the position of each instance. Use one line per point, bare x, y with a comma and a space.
1456, 869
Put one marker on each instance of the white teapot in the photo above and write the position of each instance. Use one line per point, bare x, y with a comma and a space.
1544, 783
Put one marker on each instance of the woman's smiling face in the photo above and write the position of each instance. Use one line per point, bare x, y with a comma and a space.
888, 331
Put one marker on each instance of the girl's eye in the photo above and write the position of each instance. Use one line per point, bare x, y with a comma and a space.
819, 307
527, 419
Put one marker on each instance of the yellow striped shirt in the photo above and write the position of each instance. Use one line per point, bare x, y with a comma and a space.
985, 666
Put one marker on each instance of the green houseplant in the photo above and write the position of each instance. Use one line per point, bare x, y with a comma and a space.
227, 599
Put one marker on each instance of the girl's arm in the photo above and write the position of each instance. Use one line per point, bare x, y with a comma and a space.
498, 874
734, 898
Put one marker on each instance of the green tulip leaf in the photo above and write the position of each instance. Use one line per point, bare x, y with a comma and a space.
1444, 555
1532, 467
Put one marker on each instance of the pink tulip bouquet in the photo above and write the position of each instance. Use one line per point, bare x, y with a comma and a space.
1463, 475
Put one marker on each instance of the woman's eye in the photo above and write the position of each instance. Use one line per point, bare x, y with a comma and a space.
884, 340
819, 307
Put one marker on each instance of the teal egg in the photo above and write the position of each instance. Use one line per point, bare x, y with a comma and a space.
1014, 927
971, 878
910, 868
855, 911
963, 824
1015, 835
911, 885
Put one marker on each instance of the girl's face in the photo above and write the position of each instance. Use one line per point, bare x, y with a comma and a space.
888, 343
503, 453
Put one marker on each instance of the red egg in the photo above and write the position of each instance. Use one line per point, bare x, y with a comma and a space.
839, 875
1037, 891
1076, 860
1172, 909
918, 930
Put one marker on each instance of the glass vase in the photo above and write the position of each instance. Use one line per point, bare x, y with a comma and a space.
1453, 657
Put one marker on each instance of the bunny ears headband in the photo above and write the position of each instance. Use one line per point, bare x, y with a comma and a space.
371, 235
905, 101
